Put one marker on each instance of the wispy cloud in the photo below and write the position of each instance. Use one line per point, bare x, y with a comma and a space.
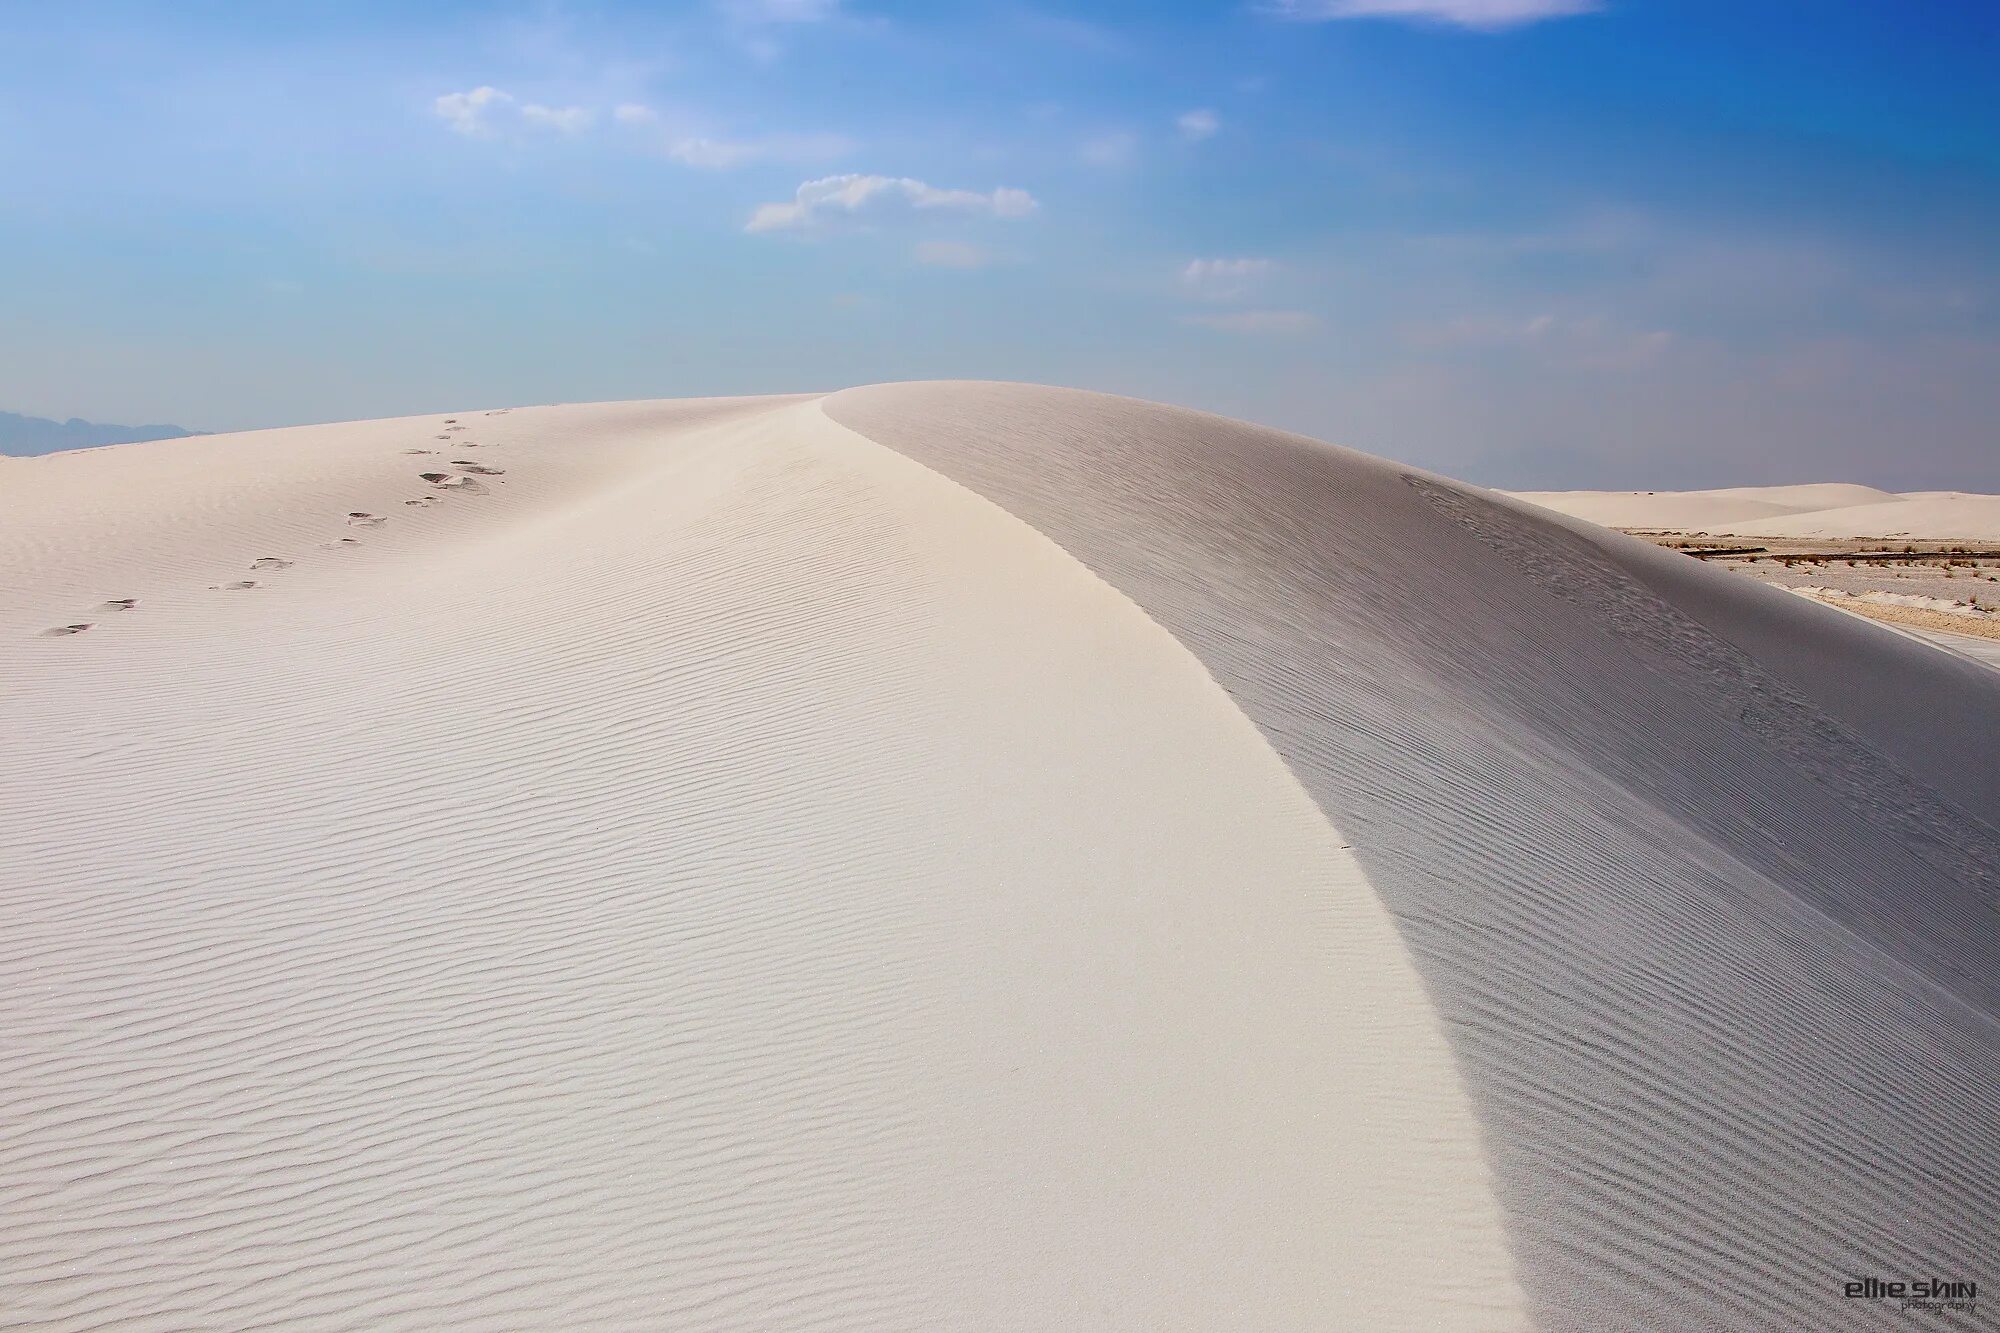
1197, 124
716, 152
953, 254
1224, 279
1256, 321
1573, 342
1486, 15
481, 112
1233, 280
471, 112
754, 24
852, 195
567, 119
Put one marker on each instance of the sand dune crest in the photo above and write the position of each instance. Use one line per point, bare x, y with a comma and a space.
730, 877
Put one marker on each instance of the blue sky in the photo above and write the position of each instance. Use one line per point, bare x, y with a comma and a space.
1640, 243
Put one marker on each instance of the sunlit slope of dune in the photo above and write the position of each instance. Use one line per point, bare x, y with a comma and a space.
675, 865
1702, 878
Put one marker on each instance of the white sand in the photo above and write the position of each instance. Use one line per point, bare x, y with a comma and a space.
724, 875
1926, 518
1985, 651
1833, 510
1976, 647
883, 861
1700, 874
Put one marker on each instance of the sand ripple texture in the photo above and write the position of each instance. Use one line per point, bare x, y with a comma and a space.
1701, 877
691, 866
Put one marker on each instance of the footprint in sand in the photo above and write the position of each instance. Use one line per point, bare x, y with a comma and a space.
270, 562
335, 546
359, 519
119, 604
419, 451
480, 468
232, 587
60, 631
444, 481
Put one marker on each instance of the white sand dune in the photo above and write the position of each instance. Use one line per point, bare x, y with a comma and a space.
725, 875
959, 856
1828, 509
1930, 518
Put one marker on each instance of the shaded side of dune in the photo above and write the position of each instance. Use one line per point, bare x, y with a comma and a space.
1708, 918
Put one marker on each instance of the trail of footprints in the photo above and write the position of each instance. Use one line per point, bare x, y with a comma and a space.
465, 480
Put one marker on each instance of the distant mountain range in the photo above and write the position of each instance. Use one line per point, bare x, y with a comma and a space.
22, 436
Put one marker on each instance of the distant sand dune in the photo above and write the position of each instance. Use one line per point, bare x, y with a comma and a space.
1832, 510
960, 856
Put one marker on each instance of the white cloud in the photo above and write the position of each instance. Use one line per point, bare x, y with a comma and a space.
1487, 15
467, 113
480, 112
633, 113
1197, 124
567, 119
853, 194
1224, 279
953, 254
1256, 321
